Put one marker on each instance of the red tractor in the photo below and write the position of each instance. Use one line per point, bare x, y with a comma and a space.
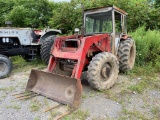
100, 51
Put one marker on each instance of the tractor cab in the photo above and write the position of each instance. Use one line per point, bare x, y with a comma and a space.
106, 20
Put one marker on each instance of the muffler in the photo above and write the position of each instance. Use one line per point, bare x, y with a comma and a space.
63, 89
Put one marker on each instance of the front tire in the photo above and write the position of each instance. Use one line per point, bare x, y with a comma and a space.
46, 48
126, 54
103, 71
5, 66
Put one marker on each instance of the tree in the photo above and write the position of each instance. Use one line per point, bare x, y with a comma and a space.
66, 16
18, 15
35, 13
69, 15
6, 6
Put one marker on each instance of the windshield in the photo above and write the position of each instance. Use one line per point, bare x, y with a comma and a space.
99, 22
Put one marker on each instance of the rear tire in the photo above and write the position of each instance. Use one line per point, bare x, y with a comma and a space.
46, 48
103, 71
126, 54
5, 66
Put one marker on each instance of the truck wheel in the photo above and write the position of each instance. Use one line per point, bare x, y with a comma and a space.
5, 66
103, 71
126, 55
46, 48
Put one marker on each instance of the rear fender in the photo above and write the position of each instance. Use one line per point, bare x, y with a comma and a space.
124, 37
49, 33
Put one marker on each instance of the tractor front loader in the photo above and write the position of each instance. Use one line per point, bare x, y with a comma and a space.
102, 49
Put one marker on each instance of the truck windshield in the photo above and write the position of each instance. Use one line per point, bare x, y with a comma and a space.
98, 22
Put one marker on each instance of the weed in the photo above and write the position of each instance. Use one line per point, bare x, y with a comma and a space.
84, 96
46, 102
11, 88
14, 107
144, 84
91, 95
3, 89
155, 110
35, 105
79, 115
19, 63
149, 79
54, 113
37, 118
132, 115
147, 46
8, 89
3, 96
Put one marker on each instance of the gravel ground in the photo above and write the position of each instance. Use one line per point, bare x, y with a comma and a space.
95, 103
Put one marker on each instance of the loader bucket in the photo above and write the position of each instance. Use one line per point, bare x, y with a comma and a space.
63, 89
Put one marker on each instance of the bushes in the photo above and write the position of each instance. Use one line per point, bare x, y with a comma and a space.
148, 47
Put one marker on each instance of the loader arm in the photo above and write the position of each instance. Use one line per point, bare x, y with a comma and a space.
78, 54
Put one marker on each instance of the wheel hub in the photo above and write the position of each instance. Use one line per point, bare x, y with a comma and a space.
2, 67
105, 72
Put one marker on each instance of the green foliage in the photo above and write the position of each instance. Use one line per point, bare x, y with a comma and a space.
30, 13
68, 15
19, 63
18, 15
6, 6
147, 46
140, 12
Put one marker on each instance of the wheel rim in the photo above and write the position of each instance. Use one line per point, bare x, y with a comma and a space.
2, 67
106, 71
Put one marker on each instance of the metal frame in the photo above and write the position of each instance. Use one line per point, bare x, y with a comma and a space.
101, 42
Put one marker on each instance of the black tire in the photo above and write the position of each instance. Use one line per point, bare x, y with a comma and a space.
126, 54
46, 48
5, 66
103, 71
84, 76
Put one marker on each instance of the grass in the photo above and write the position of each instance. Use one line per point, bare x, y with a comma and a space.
155, 110
7, 89
133, 115
20, 65
46, 102
54, 113
35, 105
149, 79
3, 89
84, 96
37, 118
77, 115
14, 107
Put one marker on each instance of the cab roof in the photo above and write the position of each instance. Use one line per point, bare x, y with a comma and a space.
108, 8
